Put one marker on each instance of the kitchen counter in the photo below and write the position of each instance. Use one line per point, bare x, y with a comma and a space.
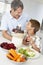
5, 61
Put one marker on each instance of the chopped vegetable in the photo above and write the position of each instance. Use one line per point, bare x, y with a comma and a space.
13, 55
26, 52
21, 50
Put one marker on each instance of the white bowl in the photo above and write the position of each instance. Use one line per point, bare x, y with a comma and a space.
19, 35
17, 39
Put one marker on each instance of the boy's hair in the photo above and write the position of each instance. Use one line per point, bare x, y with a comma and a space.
16, 4
35, 24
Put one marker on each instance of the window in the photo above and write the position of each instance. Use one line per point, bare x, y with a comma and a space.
3, 8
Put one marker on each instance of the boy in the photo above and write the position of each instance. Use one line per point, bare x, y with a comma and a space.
31, 39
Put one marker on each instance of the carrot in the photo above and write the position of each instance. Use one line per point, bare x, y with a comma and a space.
9, 56
13, 52
18, 60
16, 57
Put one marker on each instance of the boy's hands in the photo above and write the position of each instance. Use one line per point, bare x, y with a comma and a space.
30, 40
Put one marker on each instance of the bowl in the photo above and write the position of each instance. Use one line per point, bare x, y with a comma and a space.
19, 35
17, 39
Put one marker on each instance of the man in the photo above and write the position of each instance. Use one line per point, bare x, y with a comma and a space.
11, 19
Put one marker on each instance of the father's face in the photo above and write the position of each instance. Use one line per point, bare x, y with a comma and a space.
17, 13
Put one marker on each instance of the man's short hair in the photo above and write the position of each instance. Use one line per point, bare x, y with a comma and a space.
35, 24
16, 4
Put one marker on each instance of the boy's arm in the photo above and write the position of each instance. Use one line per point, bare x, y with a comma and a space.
34, 46
25, 42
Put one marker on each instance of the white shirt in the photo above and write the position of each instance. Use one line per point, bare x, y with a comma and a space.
9, 23
36, 39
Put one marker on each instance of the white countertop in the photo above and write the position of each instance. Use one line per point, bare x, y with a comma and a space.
5, 61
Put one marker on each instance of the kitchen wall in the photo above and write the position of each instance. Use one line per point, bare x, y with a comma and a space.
34, 9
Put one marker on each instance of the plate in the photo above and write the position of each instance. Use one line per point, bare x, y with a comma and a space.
20, 63
37, 54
